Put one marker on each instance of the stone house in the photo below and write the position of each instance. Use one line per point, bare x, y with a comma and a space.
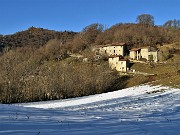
118, 63
115, 51
148, 53
111, 49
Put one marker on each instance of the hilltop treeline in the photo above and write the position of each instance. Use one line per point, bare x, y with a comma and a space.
34, 37
135, 35
36, 64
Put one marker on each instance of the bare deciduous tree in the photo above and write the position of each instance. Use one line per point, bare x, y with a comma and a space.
145, 19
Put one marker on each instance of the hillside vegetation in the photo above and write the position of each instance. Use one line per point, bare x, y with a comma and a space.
37, 64
46, 73
34, 37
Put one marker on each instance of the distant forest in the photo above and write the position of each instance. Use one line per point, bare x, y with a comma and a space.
36, 63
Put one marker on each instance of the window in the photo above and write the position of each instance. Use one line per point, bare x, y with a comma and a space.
96, 53
105, 51
150, 57
114, 51
121, 62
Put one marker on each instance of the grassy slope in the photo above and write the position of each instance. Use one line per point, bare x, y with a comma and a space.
165, 73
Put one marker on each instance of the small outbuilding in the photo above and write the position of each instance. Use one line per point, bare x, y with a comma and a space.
135, 53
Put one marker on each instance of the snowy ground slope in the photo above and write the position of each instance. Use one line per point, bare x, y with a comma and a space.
141, 110
133, 91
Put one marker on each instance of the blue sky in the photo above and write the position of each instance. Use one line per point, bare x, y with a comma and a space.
60, 15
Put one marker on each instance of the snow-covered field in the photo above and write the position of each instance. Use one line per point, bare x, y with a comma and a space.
141, 110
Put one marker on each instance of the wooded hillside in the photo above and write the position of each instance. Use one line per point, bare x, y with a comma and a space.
36, 63
35, 37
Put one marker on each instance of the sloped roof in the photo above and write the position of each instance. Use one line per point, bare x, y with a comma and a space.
117, 44
150, 48
153, 49
113, 44
114, 56
121, 58
135, 49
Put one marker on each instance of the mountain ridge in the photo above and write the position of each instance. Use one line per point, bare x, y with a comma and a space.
34, 37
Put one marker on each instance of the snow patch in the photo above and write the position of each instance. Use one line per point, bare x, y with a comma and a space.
128, 92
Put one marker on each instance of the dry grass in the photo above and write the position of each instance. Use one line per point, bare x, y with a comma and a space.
174, 45
165, 73
136, 80
173, 81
